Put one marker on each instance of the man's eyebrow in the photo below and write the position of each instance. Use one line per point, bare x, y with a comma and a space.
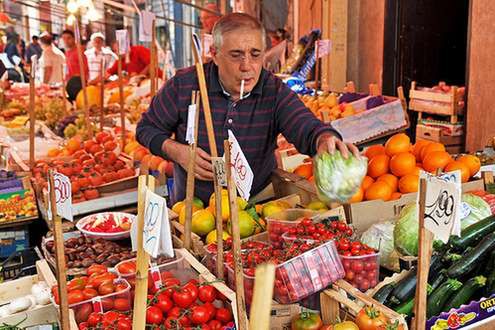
242, 51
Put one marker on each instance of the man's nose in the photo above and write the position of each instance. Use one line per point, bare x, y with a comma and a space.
244, 66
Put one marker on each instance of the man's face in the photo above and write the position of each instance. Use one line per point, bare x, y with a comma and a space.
69, 41
240, 58
98, 43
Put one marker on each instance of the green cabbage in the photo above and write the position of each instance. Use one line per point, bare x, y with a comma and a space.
406, 231
474, 209
337, 178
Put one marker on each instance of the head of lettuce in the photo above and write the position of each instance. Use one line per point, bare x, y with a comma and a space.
337, 178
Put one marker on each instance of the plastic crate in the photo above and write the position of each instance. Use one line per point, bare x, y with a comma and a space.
301, 276
279, 223
20, 263
13, 240
362, 271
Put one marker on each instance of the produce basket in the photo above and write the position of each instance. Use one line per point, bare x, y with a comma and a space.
105, 215
301, 276
362, 271
279, 223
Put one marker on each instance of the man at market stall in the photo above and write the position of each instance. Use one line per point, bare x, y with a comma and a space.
136, 62
96, 54
73, 74
267, 107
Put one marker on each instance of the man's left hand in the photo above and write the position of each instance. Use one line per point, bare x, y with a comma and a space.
329, 143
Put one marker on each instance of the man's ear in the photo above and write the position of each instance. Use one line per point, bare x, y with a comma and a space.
214, 54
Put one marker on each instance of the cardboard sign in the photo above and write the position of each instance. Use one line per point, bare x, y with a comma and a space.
146, 19
441, 206
324, 47
157, 237
122, 41
219, 168
63, 196
241, 171
191, 116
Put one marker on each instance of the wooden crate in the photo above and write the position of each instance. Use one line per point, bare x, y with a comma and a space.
343, 300
446, 104
453, 144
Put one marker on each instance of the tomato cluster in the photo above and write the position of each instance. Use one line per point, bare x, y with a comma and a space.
309, 230
93, 164
361, 263
109, 320
81, 291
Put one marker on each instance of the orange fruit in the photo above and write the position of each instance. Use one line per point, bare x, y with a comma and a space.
139, 153
146, 159
397, 144
436, 160
416, 170
402, 164
374, 150
367, 181
357, 197
305, 170
395, 195
408, 183
418, 146
73, 145
458, 165
472, 162
311, 179
378, 166
154, 162
431, 147
391, 179
379, 190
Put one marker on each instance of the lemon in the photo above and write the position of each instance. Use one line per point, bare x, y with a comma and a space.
317, 206
212, 236
246, 225
241, 204
202, 222
178, 206
199, 203
182, 214
273, 207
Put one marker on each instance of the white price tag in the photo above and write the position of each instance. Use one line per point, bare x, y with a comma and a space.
191, 123
157, 238
63, 196
324, 47
242, 173
207, 43
146, 19
122, 41
219, 168
441, 206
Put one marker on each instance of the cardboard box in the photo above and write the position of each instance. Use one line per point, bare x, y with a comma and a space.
281, 316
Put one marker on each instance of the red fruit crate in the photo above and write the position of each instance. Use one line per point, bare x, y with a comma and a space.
301, 276
279, 223
362, 271
177, 263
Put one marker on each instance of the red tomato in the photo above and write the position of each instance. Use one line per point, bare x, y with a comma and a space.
215, 325
164, 303
192, 286
77, 284
183, 298
207, 293
94, 318
211, 310
105, 288
110, 318
128, 267
121, 304
75, 296
110, 145
91, 194
107, 303
154, 315
124, 324
199, 315
102, 136
83, 325
357, 266
223, 315
89, 293
96, 180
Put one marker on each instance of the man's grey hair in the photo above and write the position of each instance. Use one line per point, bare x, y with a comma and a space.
233, 22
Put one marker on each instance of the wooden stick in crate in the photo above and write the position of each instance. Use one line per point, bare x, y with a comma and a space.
424, 256
62, 89
262, 297
59, 255
236, 241
102, 93
82, 73
32, 114
213, 150
143, 258
121, 100
153, 61
190, 174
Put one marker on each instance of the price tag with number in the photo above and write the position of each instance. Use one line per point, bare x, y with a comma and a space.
441, 206
219, 168
241, 171
157, 238
191, 123
146, 19
63, 196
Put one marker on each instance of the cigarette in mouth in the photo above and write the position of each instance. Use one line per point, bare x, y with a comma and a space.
242, 89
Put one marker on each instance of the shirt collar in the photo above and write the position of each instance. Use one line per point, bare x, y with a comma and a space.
216, 86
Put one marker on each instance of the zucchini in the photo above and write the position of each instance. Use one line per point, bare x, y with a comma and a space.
382, 294
473, 233
472, 258
440, 295
490, 287
441, 277
465, 294
407, 307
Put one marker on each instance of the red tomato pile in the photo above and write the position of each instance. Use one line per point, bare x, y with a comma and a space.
108, 320
90, 164
306, 229
109, 224
361, 263
98, 282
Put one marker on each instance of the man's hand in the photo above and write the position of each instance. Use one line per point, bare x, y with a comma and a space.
328, 143
178, 152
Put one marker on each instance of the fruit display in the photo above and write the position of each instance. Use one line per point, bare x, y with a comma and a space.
328, 106
280, 222
108, 225
127, 268
361, 264
17, 205
82, 252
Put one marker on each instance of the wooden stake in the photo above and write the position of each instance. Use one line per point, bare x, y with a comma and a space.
317, 67
424, 256
262, 297
214, 153
83, 79
102, 93
190, 175
143, 258
60, 256
121, 98
153, 61
32, 114
236, 242
62, 89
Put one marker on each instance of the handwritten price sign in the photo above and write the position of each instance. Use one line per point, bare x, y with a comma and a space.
241, 171
442, 213
157, 238
63, 196
122, 41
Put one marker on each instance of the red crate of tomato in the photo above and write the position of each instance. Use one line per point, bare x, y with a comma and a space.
279, 223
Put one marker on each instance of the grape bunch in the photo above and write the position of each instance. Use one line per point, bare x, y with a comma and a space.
62, 124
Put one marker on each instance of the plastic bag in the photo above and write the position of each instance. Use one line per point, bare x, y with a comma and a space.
380, 236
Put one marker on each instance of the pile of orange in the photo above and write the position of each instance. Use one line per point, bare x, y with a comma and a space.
393, 168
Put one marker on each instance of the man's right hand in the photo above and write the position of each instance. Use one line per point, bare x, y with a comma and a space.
178, 152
